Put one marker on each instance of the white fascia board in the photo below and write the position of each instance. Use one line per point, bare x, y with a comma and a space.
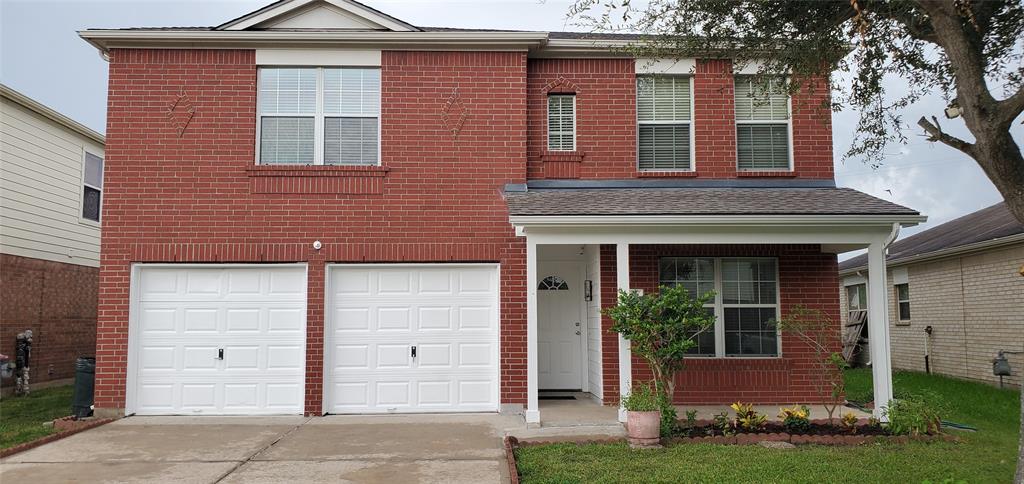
728, 220
577, 48
318, 57
942, 253
287, 7
219, 39
854, 280
666, 66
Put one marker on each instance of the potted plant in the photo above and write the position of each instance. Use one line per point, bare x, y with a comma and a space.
643, 416
662, 327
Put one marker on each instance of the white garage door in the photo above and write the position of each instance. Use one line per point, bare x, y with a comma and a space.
219, 340
412, 339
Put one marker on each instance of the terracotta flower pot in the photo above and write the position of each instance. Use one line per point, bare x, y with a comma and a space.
644, 428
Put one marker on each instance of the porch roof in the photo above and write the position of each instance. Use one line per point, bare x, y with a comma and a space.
643, 201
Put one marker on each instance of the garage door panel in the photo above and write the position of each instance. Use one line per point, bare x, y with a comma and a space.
256, 315
449, 312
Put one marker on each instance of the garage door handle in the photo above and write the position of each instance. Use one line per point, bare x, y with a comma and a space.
413, 351
220, 353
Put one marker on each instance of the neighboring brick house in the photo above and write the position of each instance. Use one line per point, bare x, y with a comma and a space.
963, 280
51, 182
318, 208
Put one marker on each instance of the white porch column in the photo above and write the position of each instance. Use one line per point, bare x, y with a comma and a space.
532, 406
625, 360
878, 327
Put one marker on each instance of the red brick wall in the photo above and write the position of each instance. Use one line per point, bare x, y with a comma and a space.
58, 303
605, 92
806, 276
606, 122
193, 199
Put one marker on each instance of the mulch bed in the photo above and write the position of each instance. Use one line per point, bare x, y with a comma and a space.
65, 427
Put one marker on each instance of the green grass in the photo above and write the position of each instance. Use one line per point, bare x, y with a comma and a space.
21, 418
988, 455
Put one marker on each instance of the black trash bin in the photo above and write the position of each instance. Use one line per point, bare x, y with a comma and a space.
85, 375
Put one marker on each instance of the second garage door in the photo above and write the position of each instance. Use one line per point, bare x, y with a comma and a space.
420, 338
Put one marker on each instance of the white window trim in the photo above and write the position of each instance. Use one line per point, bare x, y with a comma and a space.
789, 135
896, 289
691, 122
860, 286
81, 190
318, 118
721, 306
575, 125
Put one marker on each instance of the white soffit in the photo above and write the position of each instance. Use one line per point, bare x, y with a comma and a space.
318, 57
319, 14
665, 66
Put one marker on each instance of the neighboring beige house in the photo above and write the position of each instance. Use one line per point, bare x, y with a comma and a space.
962, 280
51, 191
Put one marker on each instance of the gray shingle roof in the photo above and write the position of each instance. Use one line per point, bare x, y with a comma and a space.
700, 201
986, 224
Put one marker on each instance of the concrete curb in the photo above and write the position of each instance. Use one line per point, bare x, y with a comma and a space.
52, 437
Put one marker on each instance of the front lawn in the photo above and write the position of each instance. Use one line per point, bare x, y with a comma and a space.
21, 418
988, 455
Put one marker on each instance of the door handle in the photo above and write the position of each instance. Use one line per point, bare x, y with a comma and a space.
220, 353
413, 348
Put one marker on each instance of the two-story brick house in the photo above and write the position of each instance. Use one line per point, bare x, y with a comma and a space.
319, 208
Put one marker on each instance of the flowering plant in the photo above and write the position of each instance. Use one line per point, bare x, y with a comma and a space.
796, 419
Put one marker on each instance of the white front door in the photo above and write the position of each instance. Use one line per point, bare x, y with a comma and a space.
218, 340
412, 338
560, 326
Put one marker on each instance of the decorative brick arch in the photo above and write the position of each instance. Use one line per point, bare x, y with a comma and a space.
561, 86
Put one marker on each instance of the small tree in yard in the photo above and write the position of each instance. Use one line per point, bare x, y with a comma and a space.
818, 331
661, 328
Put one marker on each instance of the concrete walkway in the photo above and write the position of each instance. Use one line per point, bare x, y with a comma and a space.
391, 448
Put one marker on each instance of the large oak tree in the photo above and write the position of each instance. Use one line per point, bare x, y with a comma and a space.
970, 51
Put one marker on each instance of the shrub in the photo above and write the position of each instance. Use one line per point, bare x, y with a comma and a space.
849, 421
914, 414
723, 424
748, 419
642, 398
817, 330
796, 419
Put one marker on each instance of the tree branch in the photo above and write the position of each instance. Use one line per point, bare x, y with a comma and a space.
935, 133
1008, 109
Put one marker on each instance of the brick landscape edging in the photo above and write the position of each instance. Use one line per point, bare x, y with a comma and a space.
52, 437
510, 457
745, 439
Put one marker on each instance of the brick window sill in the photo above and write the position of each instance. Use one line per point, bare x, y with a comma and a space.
570, 156
666, 174
766, 174
317, 179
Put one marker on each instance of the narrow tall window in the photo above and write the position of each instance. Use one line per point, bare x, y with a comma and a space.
762, 125
663, 122
92, 187
319, 116
561, 122
903, 301
750, 306
697, 276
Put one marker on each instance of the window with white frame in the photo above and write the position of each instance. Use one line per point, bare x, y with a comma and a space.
903, 301
857, 297
92, 187
762, 125
664, 117
561, 122
746, 302
319, 116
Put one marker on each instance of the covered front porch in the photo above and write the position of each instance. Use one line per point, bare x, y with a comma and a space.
585, 245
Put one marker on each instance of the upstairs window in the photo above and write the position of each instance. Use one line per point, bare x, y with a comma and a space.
762, 125
319, 116
664, 116
561, 122
92, 187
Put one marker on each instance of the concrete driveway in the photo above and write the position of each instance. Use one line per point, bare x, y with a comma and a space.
392, 448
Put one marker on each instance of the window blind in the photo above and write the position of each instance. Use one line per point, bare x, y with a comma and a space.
762, 125
663, 116
561, 123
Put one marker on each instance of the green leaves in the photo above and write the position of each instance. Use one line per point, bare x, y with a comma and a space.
662, 327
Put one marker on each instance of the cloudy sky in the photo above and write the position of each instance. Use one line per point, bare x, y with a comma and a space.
42, 57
